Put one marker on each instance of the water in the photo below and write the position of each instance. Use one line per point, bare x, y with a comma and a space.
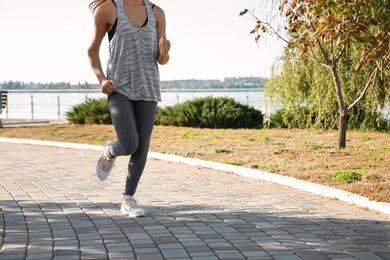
53, 104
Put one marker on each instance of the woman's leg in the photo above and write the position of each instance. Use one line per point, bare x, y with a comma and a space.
145, 112
122, 115
133, 122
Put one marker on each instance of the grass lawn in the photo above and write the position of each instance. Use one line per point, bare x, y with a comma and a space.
363, 167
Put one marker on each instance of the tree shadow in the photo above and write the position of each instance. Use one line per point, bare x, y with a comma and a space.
85, 230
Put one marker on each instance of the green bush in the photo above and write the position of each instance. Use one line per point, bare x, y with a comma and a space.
209, 112
347, 176
302, 117
93, 111
276, 120
291, 118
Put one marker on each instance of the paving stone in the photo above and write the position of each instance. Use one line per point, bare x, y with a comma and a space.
38, 256
175, 253
64, 212
150, 257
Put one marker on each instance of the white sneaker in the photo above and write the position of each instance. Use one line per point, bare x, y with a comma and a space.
130, 207
104, 165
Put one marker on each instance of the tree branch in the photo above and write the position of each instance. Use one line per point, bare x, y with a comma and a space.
326, 58
340, 53
272, 30
368, 84
319, 62
314, 55
321, 47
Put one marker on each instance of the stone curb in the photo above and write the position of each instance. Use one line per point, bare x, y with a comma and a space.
314, 188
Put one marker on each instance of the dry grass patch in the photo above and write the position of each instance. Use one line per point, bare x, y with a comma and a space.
307, 155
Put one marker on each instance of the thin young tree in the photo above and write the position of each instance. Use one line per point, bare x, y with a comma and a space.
333, 27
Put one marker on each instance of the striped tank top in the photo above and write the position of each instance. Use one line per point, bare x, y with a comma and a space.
132, 64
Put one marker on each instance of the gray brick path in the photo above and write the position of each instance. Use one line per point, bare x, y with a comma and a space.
53, 207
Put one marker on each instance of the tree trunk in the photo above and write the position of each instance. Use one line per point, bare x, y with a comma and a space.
343, 111
343, 128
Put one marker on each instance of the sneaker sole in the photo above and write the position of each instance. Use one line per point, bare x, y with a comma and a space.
124, 211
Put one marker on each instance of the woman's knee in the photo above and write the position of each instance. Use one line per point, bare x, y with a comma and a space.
126, 147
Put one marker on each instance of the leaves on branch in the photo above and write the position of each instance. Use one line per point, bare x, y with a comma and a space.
243, 12
256, 29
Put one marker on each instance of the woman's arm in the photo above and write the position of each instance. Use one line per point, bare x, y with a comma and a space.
103, 17
164, 45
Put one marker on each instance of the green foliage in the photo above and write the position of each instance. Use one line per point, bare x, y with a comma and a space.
93, 111
272, 167
305, 96
350, 39
347, 176
299, 117
209, 112
263, 138
276, 120
186, 134
234, 162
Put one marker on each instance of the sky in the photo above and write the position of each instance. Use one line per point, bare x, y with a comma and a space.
47, 40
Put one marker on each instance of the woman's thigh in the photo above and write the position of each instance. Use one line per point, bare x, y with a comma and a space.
133, 122
123, 118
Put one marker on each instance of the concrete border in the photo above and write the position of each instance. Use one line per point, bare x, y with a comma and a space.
10, 123
314, 188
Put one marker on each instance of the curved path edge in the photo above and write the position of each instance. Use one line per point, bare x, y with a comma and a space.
314, 188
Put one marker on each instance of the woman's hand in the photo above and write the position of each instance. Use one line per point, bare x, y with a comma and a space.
107, 86
164, 46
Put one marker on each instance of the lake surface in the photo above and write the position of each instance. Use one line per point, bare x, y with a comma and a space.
53, 105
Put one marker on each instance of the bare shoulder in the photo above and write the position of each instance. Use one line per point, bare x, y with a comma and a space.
158, 12
106, 10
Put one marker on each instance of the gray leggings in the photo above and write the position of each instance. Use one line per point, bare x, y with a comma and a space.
133, 122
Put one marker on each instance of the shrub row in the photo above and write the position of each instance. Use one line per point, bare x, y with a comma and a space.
208, 112
93, 111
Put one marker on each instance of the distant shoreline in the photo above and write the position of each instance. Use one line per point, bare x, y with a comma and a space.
239, 83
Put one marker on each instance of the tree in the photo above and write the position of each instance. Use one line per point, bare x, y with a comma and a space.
299, 91
325, 31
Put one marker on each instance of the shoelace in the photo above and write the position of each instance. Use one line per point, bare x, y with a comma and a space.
132, 202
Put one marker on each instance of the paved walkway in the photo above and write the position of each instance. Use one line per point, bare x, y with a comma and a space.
53, 207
